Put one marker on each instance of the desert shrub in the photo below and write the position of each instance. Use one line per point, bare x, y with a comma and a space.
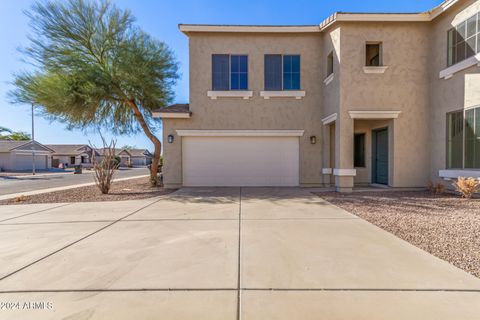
436, 188
21, 198
440, 188
105, 169
467, 186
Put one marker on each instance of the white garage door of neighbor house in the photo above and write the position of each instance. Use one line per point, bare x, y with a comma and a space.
24, 162
240, 161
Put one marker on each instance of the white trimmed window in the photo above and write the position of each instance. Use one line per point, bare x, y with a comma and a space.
373, 54
463, 139
229, 72
464, 40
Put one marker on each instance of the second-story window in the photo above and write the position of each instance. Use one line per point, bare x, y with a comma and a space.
229, 72
282, 72
373, 55
330, 64
464, 40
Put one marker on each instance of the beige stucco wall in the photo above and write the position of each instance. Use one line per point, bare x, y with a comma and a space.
472, 90
403, 87
256, 113
455, 93
331, 92
415, 53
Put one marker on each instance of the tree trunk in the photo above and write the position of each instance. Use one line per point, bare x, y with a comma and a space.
158, 145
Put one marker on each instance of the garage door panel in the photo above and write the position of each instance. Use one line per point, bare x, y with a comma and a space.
240, 161
24, 162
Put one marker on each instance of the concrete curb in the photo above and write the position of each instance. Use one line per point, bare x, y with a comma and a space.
31, 193
39, 175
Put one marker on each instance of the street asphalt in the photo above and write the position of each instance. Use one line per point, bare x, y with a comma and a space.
10, 185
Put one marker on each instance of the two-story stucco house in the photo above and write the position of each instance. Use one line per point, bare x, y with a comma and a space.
390, 99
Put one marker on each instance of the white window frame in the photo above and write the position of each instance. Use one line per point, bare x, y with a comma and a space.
476, 36
236, 93
283, 88
230, 73
464, 111
380, 53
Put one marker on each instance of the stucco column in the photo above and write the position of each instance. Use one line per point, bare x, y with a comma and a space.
344, 172
326, 163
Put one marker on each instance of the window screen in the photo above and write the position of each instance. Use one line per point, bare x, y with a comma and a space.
273, 72
220, 72
282, 72
472, 139
229, 72
455, 140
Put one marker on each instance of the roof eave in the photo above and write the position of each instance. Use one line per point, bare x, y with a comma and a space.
34, 142
388, 17
172, 115
444, 6
190, 28
336, 17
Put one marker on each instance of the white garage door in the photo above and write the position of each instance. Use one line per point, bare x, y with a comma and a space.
24, 162
240, 161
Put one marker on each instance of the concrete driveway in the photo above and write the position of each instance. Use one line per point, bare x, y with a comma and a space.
231, 253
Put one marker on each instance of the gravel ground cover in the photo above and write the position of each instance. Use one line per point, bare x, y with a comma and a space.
122, 190
445, 226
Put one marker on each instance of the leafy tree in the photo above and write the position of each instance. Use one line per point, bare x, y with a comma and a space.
4, 130
19, 136
95, 69
129, 147
13, 135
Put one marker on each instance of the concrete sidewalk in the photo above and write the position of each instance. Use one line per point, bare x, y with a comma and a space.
230, 253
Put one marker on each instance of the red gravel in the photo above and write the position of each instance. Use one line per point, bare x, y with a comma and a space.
445, 226
123, 190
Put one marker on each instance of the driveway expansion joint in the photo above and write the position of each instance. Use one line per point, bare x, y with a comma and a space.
112, 220
28, 214
359, 290
239, 268
54, 222
77, 241
241, 289
122, 290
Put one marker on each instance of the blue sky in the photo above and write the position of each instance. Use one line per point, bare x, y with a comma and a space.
160, 18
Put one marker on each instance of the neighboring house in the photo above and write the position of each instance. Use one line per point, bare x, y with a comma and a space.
124, 157
71, 154
19, 155
130, 157
140, 157
391, 99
